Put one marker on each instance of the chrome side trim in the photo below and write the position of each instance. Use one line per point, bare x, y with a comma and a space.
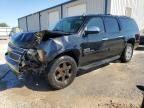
120, 36
104, 39
13, 68
14, 59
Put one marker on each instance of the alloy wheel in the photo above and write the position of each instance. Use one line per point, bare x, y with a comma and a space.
129, 52
63, 73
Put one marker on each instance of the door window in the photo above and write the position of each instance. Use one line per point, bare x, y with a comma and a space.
111, 25
96, 22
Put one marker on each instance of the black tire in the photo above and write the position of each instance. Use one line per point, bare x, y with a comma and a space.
127, 53
62, 72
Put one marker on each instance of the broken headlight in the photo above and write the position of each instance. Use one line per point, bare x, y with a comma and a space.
42, 56
39, 37
37, 55
32, 55
32, 52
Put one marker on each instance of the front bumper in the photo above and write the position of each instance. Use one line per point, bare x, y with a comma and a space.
25, 60
22, 64
14, 65
14, 56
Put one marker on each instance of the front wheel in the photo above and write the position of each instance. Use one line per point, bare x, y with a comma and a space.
127, 53
62, 72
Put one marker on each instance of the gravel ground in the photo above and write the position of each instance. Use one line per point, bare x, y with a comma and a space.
109, 86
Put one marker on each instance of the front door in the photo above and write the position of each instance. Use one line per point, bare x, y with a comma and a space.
93, 49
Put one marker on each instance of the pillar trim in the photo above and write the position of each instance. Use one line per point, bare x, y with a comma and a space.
106, 6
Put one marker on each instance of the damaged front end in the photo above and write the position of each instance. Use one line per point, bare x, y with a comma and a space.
34, 58
33, 61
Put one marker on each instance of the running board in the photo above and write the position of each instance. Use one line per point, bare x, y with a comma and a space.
99, 63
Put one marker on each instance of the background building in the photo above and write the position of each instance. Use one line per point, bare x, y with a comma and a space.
131, 8
46, 19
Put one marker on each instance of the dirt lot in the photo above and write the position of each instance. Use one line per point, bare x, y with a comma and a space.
111, 86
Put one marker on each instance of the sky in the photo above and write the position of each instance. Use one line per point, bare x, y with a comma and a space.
11, 10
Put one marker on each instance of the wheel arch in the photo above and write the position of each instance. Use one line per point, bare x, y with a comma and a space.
75, 54
131, 41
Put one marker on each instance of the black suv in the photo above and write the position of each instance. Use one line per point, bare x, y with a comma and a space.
75, 42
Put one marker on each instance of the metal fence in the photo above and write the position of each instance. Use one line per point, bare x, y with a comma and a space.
4, 32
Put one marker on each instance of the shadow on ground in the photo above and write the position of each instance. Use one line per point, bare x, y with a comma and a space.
9, 80
141, 88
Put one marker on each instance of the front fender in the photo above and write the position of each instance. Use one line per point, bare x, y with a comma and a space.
56, 46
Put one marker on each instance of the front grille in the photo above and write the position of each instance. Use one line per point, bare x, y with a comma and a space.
16, 49
14, 56
15, 53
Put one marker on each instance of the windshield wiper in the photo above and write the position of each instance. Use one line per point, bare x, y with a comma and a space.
58, 30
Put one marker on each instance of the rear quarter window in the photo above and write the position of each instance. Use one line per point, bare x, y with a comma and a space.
128, 24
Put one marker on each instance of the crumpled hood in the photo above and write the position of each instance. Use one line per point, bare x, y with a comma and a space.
30, 39
23, 39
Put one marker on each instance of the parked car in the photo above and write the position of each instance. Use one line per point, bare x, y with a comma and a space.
142, 39
75, 42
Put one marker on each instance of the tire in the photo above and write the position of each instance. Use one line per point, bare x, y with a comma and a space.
127, 53
62, 72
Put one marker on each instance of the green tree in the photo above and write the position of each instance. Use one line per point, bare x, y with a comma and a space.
3, 25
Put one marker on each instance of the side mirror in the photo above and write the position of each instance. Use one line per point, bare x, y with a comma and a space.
92, 30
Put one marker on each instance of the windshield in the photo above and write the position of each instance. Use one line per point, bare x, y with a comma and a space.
69, 25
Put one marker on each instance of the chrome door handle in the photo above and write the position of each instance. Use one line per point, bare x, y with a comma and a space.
104, 39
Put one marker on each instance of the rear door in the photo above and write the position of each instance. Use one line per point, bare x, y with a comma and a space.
115, 41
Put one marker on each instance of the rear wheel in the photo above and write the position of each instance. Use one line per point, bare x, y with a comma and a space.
127, 54
62, 72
